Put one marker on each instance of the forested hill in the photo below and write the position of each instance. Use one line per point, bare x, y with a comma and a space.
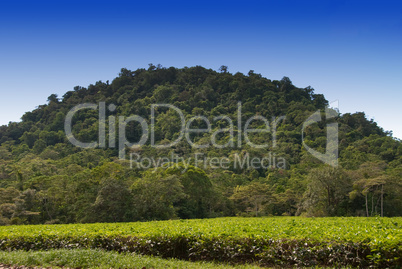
44, 178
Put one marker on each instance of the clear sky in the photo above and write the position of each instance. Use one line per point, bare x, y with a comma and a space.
350, 51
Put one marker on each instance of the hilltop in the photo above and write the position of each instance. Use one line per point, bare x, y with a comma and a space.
45, 178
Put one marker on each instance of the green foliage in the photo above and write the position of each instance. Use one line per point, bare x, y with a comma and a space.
252, 196
327, 192
60, 183
285, 241
81, 258
155, 195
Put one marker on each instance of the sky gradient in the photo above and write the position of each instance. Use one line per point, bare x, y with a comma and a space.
349, 51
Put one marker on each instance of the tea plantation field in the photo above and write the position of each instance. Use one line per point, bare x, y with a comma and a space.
266, 241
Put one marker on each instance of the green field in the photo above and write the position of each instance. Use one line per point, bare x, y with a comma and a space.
91, 258
270, 241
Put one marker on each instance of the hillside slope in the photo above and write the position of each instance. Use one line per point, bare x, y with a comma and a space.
45, 178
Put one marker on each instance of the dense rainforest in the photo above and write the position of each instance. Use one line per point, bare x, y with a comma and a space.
44, 178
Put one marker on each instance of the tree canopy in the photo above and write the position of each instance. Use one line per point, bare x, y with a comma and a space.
46, 179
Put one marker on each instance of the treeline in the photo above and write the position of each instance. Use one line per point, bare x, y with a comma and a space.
44, 178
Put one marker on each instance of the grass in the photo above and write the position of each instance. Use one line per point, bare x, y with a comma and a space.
95, 258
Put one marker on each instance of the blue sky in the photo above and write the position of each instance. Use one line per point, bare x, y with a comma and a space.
348, 50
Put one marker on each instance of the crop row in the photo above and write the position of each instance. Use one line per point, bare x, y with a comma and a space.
268, 241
